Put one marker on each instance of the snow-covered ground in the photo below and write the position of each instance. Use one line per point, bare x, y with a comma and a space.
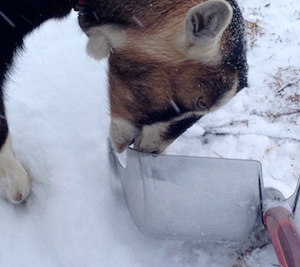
58, 113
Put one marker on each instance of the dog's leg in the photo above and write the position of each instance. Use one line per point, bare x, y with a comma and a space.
17, 19
14, 180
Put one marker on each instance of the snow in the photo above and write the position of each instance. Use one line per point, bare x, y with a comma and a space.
58, 114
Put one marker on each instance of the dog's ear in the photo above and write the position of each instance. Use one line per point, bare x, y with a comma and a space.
206, 22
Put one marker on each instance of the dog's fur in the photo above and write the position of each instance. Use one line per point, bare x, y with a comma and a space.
17, 19
170, 62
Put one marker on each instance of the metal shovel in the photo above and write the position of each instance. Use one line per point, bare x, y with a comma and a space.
206, 199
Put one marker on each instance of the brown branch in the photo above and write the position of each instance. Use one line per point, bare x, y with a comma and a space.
286, 86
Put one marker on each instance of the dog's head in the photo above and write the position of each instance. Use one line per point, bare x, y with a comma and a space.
169, 64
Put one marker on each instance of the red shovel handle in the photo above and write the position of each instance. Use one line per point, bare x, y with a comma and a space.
284, 235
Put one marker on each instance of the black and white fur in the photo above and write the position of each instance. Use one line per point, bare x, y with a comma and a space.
17, 19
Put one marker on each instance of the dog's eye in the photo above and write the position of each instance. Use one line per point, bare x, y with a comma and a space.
201, 104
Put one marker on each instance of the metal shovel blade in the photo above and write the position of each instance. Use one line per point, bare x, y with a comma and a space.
191, 198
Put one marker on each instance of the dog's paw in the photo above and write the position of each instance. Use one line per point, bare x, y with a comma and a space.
15, 183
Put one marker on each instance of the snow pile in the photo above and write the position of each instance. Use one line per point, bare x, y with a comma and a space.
58, 114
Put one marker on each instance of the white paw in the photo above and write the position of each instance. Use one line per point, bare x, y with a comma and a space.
15, 182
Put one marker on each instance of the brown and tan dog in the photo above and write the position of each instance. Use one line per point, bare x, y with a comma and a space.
170, 62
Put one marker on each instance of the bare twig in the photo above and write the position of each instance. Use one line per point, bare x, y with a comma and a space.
286, 86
